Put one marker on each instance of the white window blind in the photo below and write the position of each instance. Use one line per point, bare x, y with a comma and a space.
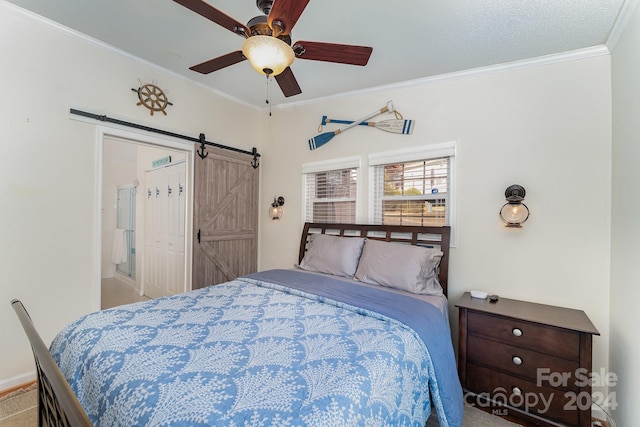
413, 187
412, 193
330, 193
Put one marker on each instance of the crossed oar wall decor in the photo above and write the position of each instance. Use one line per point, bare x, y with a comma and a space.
399, 125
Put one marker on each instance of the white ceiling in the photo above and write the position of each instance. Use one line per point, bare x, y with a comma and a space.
411, 39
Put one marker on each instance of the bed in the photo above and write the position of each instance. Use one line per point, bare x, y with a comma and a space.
356, 333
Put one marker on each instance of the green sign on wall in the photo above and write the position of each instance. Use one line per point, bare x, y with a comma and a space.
161, 162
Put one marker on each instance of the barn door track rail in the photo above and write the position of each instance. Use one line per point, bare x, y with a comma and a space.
202, 152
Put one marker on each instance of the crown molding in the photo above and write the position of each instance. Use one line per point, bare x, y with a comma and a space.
573, 55
626, 12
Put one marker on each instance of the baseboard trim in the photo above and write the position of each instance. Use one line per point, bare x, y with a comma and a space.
124, 279
8, 384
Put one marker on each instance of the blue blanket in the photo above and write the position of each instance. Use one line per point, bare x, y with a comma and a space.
425, 319
271, 349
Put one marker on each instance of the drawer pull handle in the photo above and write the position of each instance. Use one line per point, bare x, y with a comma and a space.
516, 391
517, 332
516, 360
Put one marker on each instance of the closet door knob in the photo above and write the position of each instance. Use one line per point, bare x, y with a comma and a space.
516, 332
157, 191
148, 193
516, 391
169, 190
516, 360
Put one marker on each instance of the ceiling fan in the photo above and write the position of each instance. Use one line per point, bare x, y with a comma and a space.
268, 45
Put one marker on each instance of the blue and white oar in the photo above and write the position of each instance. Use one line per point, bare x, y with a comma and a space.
404, 127
320, 140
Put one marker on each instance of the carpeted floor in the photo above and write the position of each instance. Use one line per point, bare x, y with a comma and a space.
474, 417
19, 409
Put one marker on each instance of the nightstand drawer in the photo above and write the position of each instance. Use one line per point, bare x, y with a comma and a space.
518, 361
541, 338
521, 394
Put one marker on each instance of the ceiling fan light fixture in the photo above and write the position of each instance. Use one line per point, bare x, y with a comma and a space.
268, 55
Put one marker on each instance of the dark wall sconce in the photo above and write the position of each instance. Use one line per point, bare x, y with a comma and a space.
275, 210
514, 212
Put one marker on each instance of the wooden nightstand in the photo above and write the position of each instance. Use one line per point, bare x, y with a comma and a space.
535, 358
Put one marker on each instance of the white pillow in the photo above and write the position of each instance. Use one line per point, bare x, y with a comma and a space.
396, 265
332, 254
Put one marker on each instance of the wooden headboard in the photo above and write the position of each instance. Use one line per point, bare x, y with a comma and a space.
413, 235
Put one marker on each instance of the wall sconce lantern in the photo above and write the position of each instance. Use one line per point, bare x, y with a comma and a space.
276, 210
514, 212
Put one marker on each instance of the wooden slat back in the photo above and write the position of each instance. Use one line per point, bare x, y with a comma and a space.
57, 404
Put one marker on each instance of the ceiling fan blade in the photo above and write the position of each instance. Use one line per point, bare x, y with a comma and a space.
288, 83
218, 63
204, 9
331, 52
287, 12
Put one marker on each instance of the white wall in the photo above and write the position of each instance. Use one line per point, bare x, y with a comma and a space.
547, 128
625, 230
48, 166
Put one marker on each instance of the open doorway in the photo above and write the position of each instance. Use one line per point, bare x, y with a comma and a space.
136, 260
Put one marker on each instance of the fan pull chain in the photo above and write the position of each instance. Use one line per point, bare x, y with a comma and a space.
268, 101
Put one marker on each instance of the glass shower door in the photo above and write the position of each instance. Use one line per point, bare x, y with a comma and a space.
126, 220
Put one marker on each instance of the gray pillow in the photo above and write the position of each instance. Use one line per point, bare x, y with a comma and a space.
396, 265
332, 254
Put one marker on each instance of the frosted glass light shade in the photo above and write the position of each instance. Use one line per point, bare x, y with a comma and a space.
276, 212
268, 55
514, 214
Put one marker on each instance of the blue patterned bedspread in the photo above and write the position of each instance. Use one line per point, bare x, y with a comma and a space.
279, 348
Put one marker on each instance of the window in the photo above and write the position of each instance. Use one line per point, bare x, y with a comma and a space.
413, 193
413, 187
330, 190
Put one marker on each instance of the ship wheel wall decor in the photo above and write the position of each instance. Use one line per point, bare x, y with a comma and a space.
152, 98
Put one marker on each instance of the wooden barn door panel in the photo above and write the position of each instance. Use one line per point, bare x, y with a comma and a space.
225, 243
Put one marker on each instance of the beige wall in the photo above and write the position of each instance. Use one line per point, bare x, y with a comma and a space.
625, 228
547, 128
48, 166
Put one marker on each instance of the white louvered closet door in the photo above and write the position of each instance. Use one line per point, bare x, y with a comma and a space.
164, 252
176, 207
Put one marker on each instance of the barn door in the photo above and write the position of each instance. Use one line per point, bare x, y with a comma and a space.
225, 242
